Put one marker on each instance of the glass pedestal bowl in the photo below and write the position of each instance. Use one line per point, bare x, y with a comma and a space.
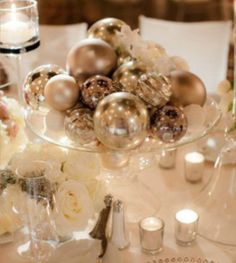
122, 170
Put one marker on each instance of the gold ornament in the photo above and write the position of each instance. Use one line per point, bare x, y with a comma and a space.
90, 57
128, 75
106, 29
61, 92
187, 88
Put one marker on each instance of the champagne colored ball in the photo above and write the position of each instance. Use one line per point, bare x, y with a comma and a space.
187, 88
128, 75
90, 57
35, 83
106, 29
61, 92
120, 121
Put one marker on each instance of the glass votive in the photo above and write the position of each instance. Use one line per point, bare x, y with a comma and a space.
186, 227
19, 26
151, 231
194, 166
167, 159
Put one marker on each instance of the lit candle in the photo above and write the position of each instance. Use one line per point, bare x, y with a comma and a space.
14, 31
194, 166
186, 225
151, 231
167, 159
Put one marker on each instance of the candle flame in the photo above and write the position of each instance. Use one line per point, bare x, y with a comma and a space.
13, 12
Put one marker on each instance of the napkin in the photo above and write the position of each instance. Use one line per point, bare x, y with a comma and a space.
205, 45
56, 41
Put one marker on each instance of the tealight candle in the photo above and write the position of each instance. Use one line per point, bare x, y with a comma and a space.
167, 159
194, 166
186, 225
151, 231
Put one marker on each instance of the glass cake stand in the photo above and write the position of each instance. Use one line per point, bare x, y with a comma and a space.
122, 171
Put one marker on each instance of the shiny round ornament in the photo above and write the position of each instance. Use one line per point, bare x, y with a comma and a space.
128, 75
187, 88
61, 92
168, 124
35, 83
154, 89
95, 89
106, 29
79, 126
90, 57
121, 121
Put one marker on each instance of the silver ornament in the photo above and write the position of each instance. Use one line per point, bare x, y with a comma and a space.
120, 121
128, 75
35, 82
90, 57
95, 89
154, 89
106, 29
79, 126
169, 124
61, 92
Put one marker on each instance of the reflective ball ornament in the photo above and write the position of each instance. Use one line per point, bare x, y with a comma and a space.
121, 121
35, 83
61, 92
106, 29
169, 124
187, 88
90, 57
154, 89
95, 89
128, 75
79, 126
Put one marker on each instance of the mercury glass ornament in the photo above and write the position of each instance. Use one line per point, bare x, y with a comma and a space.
168, 124
95, 89
61, 92
187, 88
106, 29
35, 83
79, 126
90, 57
154, 89
120, 121
128, 75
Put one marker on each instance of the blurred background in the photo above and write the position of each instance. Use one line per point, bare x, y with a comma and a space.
74, 11
60, 12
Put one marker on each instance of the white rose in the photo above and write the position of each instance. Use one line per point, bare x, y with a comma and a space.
73, 207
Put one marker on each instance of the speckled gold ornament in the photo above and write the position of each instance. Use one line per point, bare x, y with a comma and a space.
95, 89
106, 29
187, 88
90, 57
128, 75
35, 83
61, 92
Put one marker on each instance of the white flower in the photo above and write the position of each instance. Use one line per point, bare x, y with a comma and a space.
73, 207
225, 91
